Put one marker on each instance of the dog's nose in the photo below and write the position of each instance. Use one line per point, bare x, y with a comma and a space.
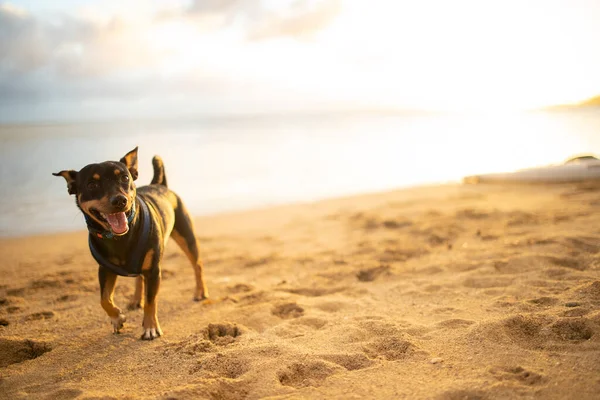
119, 201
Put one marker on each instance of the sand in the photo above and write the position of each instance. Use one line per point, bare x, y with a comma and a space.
448, 292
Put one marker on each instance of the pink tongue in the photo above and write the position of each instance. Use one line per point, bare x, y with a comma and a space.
118, 222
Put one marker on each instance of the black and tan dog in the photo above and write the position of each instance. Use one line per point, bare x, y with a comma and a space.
129, 229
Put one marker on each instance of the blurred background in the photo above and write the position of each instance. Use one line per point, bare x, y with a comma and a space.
253, 103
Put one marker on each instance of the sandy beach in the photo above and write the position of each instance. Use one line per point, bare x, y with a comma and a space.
445, 292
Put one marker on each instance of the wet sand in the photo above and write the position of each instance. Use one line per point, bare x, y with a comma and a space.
446, 292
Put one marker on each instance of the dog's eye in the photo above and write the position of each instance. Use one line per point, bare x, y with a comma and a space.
93, 185
124, 178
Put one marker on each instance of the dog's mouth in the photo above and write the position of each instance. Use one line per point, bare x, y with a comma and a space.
117, 221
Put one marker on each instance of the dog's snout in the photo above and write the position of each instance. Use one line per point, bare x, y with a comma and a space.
119, 201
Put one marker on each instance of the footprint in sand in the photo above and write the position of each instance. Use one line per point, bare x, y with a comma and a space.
572, 330
262, 261
307, 373
40, 315
288, 311
13, 309
351, 362
520, 218
396, 224
225, 389
253, 298
587, 244
240, 288
544, 301
370, 274
67, 297
315, 323
222, 333
47, 283
518, 374
590, 292
525, 330
14, 350
18, 292
314, 292
455, 323
192, 346
576, 312
223, 365
391, 348
537, 331
401, 255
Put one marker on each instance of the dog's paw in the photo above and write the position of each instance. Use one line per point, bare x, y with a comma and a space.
151, 333
118, 322
200, 296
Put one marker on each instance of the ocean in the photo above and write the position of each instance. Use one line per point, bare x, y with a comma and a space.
221, 164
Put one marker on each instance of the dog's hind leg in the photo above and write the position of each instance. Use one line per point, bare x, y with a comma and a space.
183, 234
137, 301
108, 280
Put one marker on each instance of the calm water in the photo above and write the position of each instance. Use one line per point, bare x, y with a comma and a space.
226, 164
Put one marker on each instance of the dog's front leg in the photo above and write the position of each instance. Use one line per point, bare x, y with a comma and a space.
151, 326
108, 280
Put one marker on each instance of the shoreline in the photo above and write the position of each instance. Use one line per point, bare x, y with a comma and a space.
264, 208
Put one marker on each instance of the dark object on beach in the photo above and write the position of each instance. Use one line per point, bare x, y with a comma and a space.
575, 169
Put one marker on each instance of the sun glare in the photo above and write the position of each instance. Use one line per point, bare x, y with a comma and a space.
469, 55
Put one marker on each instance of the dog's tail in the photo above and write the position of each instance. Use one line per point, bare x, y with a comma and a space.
159, 172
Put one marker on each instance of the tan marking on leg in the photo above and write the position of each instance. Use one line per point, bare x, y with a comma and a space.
107, 303
107, 297
147, 264
96, 177
137, 300
117, 172
150, 324
201, 290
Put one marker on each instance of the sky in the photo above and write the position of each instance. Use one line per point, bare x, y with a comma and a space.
64, 60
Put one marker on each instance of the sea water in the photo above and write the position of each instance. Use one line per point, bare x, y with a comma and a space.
219, 164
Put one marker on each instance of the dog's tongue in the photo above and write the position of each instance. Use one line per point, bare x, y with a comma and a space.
118, 222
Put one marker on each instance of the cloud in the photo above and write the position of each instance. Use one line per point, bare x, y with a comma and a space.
302, 19
261, 21
193, 52
71, 47
220, 6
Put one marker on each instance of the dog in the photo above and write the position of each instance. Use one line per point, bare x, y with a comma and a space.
128, 231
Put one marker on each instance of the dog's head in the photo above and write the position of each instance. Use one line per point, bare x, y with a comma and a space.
105, 192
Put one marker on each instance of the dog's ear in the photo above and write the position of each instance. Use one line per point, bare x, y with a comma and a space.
70, 177
131, 161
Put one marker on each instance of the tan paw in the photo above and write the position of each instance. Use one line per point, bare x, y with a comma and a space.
151, 333
118, 322
201, 296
